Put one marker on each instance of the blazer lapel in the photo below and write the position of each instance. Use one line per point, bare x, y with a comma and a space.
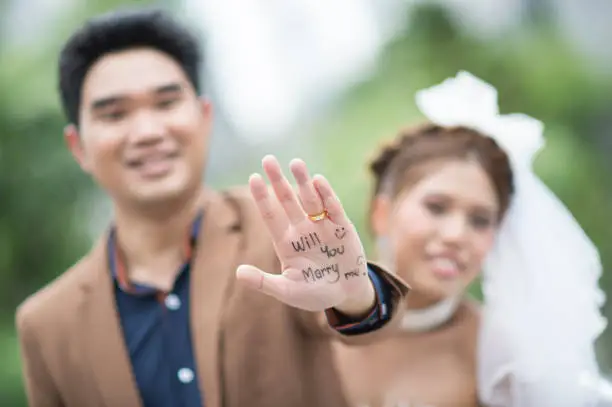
212, 276
104, 346
213, 272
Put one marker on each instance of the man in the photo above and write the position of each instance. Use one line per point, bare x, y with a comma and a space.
166, 309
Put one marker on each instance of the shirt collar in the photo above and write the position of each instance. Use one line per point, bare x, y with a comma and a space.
117, 266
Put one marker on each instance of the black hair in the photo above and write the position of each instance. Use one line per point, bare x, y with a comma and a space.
117, 31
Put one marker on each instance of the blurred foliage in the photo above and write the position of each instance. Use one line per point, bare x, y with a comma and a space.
45, 197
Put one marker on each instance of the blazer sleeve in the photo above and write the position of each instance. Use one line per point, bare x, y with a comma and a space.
38, 382
329, 324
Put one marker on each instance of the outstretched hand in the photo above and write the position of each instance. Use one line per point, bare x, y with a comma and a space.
322, 258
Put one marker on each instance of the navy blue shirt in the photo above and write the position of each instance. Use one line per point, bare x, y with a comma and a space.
157, 331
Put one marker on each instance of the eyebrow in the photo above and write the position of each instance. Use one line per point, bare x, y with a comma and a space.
479, 206
101, 103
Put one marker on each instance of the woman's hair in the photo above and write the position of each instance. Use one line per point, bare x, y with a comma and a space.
408, 158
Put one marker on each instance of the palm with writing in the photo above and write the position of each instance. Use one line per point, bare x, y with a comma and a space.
322, 257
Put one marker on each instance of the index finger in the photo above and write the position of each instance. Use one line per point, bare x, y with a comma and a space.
276, 221
283, 190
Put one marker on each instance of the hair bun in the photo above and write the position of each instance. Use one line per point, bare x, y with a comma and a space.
382, 161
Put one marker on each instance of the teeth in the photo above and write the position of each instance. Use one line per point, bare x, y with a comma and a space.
445, 263
151, 160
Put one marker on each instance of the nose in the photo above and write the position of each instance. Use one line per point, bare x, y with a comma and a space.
145, 128
453, 228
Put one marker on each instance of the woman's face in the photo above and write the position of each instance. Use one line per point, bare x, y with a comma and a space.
439, 230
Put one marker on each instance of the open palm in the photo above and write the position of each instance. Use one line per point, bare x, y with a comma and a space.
322, 257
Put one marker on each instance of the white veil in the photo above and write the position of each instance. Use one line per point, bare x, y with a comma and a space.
541, 314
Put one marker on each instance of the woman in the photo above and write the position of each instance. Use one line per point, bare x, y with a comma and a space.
455, 196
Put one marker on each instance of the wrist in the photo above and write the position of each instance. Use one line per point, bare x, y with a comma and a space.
359, 305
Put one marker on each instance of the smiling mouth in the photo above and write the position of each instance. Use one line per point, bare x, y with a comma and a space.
152, 159
445, 268
154, 165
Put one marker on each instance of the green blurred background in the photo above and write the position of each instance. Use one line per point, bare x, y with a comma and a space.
51, 211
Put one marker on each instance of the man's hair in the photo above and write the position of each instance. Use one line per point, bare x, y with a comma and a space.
118, 31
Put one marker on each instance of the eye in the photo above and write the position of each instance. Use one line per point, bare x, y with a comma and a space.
436, 208
480, 221
114, 115
167, 103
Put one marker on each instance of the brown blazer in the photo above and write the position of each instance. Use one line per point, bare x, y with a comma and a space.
251, 350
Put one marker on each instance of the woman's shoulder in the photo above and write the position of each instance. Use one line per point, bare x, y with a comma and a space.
468, 314
467, 323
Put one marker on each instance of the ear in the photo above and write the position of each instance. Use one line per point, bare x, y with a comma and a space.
75, 145
206, 108
379, 218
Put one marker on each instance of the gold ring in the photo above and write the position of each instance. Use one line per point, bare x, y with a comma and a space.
318, 216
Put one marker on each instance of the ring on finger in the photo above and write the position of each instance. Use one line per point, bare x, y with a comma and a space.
318, 216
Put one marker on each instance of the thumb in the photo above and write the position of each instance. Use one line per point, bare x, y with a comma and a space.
273, 285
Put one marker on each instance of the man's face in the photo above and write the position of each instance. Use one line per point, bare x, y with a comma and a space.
143, 130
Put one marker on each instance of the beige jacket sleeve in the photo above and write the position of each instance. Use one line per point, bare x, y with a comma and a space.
39, 386
323, 323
